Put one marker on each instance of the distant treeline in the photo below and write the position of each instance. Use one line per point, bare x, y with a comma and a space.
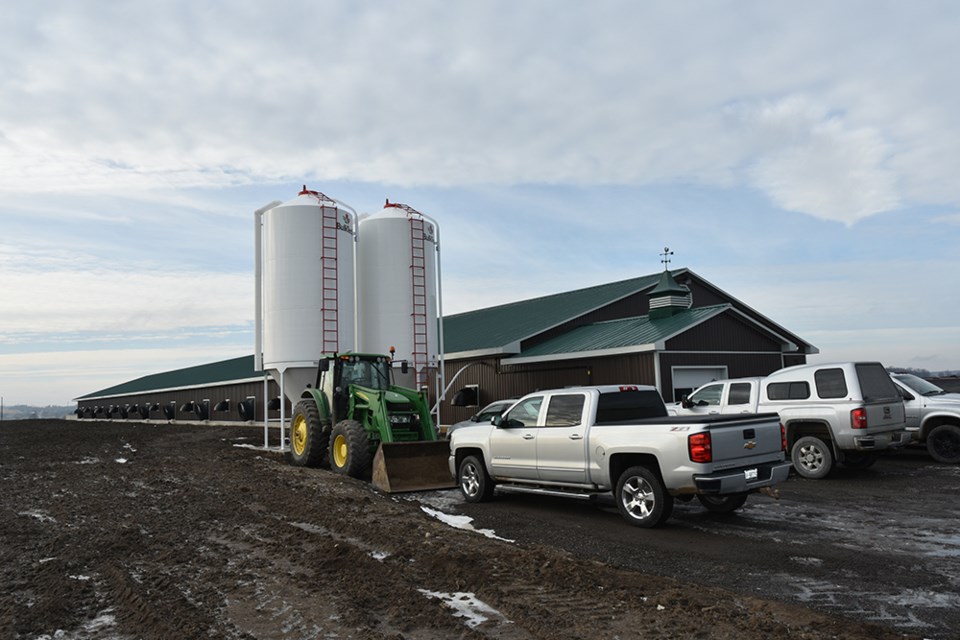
926, 373
28, 412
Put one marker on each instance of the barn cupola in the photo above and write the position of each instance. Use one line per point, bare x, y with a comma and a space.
668, 297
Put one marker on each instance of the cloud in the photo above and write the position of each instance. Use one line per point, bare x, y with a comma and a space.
140, 97
811, 161
56, 377
40, 285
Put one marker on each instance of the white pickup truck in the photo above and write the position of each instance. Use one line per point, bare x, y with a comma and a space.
843, 412
586, 442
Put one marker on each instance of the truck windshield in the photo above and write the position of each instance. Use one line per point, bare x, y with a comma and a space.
627, 406
919, 385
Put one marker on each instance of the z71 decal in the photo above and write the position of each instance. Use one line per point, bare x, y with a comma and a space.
679, 428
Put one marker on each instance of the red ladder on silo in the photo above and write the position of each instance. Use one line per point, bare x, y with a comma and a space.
329, 279
418, 279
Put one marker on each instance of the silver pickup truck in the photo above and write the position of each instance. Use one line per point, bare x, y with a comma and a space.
933, 416
585, 442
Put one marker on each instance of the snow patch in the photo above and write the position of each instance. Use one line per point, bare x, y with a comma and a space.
467, 605
461, 522
812, 562
121, 461
379, 555
88, 460
39, 515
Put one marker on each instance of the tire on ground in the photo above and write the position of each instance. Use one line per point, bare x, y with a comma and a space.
475, 484
722, 504
943, 443
308, 440
350, 449
642, 499
811, 457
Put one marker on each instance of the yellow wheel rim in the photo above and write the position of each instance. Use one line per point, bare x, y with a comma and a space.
340, 451
299, 436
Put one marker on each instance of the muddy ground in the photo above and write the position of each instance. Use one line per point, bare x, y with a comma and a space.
119, 530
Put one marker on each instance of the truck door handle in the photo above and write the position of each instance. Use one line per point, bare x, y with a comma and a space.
713, 413
576, 436
528, 436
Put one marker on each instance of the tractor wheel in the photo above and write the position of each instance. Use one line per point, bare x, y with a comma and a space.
308, 442
350, 449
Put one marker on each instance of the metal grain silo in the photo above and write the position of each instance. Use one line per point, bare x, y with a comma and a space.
398, 277
305, 287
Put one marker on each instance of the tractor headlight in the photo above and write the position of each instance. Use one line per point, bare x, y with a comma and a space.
399, 419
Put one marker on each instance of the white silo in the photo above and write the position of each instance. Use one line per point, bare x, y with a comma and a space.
305, 297
398, 258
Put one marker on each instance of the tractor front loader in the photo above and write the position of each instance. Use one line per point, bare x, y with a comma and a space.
363, 426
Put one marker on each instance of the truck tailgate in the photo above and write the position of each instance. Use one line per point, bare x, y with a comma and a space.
739, 441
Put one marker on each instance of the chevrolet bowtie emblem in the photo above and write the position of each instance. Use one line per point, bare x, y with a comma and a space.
750, 444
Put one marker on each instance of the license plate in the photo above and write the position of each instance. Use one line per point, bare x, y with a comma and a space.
751, 474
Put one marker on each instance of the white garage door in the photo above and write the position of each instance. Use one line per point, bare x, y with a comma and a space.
686, 379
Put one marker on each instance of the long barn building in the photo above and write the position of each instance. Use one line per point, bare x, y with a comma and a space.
673, 330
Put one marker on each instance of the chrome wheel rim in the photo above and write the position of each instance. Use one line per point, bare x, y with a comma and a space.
638, 498
470, 480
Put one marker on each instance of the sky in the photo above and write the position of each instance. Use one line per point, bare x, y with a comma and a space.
802, 157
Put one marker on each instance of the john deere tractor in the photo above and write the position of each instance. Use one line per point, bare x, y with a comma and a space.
363, 426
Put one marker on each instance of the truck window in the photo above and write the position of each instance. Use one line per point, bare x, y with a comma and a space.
629, 406
788, 390
830, 383
875, 383
708, 396
565, 410
524, 414
739, 393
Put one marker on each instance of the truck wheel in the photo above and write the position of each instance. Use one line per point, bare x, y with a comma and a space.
943, 443
722, 504
859, 460
811, 457
642, 499
475, 484
308, 442
350, 449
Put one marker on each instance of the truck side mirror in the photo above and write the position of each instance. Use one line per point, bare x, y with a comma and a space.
685, 401
496, 421
404, 367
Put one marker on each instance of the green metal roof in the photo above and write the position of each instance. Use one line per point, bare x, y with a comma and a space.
508, 324
201, 375
626, 332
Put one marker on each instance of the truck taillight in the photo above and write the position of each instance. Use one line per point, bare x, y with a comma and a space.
700, 449
858, 418
783, 437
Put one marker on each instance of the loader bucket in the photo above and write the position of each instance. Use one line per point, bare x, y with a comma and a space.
412, 466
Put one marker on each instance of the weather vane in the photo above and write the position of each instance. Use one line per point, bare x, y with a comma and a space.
665, 257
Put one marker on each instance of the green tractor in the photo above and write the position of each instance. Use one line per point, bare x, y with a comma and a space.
363, 426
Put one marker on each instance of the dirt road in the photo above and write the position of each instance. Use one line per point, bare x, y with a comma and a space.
119, 530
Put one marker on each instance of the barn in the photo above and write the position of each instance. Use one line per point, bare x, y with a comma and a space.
674, 330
